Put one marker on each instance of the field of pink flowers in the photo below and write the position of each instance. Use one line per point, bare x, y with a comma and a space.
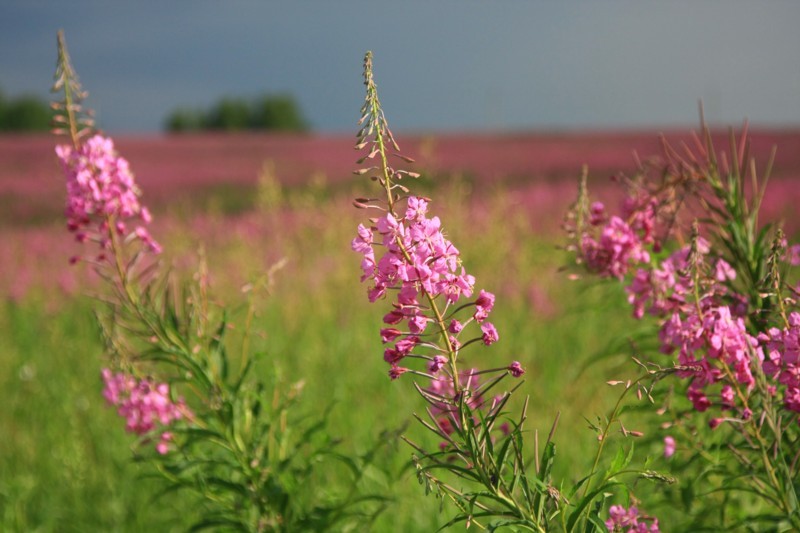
185, 177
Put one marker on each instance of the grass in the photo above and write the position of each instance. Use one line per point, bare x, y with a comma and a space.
65, 463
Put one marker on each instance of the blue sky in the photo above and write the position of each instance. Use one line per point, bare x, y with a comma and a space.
440, 64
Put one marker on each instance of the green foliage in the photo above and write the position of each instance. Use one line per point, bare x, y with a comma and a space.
266, 113
24, 113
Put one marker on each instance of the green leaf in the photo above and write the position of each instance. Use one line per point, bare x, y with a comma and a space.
586, 500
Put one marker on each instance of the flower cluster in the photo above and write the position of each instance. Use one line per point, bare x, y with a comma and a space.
688, 291
143, 404
420, 264
782, 359
630, 521
620, 243
101, 193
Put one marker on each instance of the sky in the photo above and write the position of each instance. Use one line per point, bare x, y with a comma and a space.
440, 65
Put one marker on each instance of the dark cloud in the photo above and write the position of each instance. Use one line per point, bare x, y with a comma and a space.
441, 65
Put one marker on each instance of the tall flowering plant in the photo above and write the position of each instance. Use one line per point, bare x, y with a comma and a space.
434, 313
694, 260
204, 420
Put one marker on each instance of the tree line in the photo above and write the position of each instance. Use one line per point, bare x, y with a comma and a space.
268, 112
24, 113
29, 113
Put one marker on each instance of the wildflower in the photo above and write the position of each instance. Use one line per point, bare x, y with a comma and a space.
455, 326
417, 264
163, 443
436, 364
669, 447
101, 188
407, 344
516, 369
483, 306
397, 371
617, 249
490, 335
597, 213
629, 520
727, 396
143, 404
389, 334
417, 323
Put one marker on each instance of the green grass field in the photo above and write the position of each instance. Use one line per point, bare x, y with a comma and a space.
66, 462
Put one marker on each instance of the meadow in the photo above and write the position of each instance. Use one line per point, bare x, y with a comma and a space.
250, 202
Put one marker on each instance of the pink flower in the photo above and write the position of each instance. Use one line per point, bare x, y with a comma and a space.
143, 404
417, 324
417, 208
698, 399
723, 271
490, 335
629, 520
407, 344
669, 447
727, 396
617, 250
389, 334
418, 264
597, 214
163, 443
483, 305
397, 371
393, 317
436, 364
100, 186
516, 369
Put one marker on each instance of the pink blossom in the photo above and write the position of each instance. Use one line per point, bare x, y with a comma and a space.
100, 186
417, 264
723, 271
617, 250
455, 326
389, 334
407, 344
669, 447
143, 403
698, 399
483, 305
417, 208
630, 521
597, 213
397, 371
163, 443
727, 397
417, 324
490, 335
516, 369
436, 364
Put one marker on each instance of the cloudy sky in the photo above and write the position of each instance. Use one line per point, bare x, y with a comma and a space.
440, 64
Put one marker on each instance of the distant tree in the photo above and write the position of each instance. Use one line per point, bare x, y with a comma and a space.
277, 113
185, 119
229, 114
25, 113
268, 113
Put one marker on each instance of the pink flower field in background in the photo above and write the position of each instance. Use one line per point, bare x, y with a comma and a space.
539, 169
176, 166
